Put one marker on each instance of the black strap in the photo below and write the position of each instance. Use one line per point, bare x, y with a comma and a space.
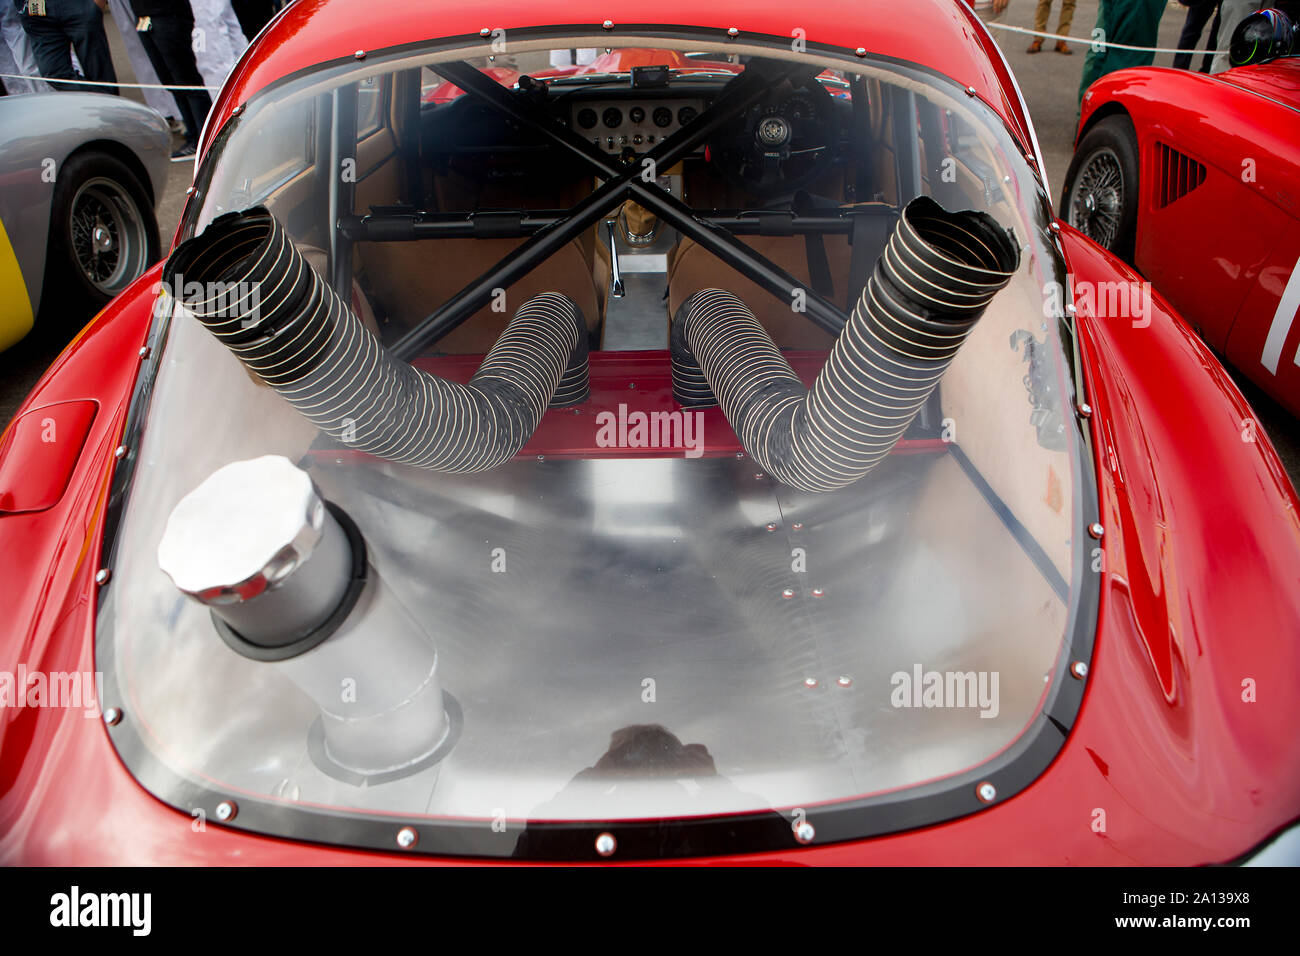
868, 238
819, 267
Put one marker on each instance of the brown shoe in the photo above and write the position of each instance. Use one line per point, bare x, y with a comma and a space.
1063, 47
1035, 47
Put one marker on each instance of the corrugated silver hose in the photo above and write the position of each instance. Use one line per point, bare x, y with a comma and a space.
938, 273
244, 280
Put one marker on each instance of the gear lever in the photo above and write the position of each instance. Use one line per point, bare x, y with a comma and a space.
615, 277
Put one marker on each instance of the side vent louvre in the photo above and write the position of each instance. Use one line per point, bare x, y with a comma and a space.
1179, 174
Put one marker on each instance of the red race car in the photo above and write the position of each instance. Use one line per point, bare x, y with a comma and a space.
696, 458
1195, 180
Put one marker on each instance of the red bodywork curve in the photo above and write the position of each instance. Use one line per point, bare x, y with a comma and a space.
1222, 253
941, 35
1197, 596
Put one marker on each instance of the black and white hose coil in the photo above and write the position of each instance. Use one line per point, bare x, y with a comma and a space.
939, 271
254, 291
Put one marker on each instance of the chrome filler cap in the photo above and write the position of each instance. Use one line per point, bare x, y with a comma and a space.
243, 531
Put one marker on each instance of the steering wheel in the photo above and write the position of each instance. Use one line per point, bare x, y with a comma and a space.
781, 144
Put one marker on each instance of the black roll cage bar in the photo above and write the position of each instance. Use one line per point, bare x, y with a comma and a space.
549, 231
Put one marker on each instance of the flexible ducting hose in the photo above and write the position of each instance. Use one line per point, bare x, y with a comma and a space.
931, 285
244, 280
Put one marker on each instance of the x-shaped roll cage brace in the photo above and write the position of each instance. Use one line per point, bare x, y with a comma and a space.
548, 232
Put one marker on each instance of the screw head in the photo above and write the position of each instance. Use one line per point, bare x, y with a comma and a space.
102, 576
986, 792
485, 32
360, 54
733, 32
1096, 530
970, 91
1079, 670
237, 110
787, 593
1085, 410
144, 351
860, 51
605, 843
771, 526
541, 458
804, 832
740, 454
818, 592
407, 838
810, 682
227, 810
608, 25
759, 476
119, 452
1055, 226
113, 716
797, 526
190, 190
845, 680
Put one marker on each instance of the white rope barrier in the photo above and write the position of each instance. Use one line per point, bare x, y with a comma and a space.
1085, 41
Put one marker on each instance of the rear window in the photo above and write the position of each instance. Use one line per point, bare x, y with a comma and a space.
638, 629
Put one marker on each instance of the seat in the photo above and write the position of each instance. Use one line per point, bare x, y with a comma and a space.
408, 281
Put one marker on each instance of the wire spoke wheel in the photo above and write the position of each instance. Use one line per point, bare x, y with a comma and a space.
109, 237
1097, 199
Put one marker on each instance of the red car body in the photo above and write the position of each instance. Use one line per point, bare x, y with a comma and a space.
1223, 251
1200, 572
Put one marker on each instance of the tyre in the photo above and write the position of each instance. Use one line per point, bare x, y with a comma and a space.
1100, 197
103, 235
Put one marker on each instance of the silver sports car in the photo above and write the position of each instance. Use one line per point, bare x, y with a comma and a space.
79, 175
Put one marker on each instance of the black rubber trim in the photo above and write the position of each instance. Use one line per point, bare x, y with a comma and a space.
305, 641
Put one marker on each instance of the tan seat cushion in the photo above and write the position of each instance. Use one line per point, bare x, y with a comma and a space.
412, 279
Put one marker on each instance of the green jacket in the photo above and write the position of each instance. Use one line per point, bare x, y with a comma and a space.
1134, 22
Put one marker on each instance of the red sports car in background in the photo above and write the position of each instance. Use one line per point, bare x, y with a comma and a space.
1194, 179
664, 461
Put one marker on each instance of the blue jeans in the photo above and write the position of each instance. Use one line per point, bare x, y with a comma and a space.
77, 24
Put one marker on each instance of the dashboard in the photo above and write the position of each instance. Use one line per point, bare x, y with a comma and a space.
615, 124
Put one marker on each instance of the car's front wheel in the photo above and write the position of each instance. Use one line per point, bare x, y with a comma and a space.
103, 235
1100, 197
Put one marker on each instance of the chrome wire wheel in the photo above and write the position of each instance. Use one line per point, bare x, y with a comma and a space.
110, 240
1097, 198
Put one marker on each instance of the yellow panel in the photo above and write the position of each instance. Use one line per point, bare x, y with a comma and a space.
15, 305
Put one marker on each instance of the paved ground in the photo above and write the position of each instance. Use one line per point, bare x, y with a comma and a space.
1049, 81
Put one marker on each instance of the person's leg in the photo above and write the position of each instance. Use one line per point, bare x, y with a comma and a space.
1063, 26
1198, 14
1231, 13
84, 24
172, 38
19, 49
50, 47
1041, 15
1212, 43
1067, 17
